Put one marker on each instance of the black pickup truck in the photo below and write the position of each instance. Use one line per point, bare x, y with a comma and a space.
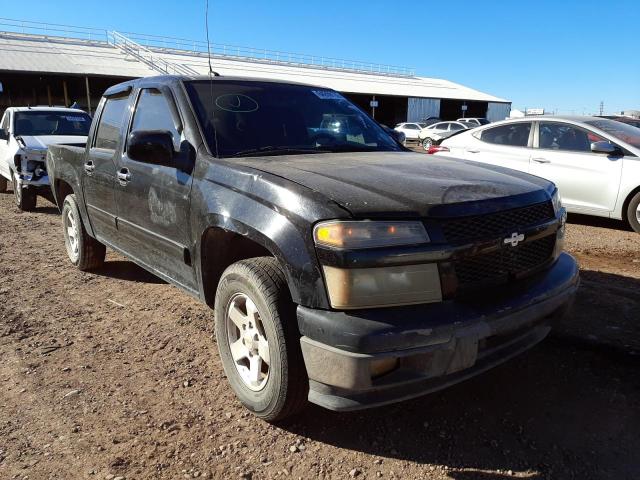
342, 268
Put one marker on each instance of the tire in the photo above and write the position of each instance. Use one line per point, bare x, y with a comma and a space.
84, 251
278, 390
25, 198
633, 212
427, 143
3, 184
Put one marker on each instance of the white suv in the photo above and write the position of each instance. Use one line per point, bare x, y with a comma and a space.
25, 133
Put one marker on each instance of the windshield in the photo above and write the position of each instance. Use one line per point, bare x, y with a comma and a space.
483, 121
266, 118
621, 131
51, 122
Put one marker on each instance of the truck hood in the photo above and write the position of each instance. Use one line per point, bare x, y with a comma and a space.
41, 142
383, 183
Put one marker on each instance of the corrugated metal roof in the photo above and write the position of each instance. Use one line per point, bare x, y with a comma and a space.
33, 53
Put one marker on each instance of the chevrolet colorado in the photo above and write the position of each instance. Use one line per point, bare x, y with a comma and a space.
342, 268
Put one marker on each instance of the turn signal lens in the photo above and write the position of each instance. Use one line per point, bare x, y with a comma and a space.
368, 234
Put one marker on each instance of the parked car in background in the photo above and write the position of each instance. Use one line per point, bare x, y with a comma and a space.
342, 268
25, 134
594, 161
475, 121
634, 122
437, 132
410, 129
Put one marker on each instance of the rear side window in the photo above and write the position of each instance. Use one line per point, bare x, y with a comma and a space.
153, 113
562, 136
111, 123
455, 126
514, 135
411, 126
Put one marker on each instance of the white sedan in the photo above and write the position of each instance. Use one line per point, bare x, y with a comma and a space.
595, 162
410, 129
435, 133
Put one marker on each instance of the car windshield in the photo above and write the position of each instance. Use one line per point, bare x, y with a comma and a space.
483, 121
621, 131
248, 118
51, 122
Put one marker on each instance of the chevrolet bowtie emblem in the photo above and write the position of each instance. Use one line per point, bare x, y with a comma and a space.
514, 239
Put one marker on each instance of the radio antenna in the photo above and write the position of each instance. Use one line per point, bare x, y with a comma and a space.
206, 25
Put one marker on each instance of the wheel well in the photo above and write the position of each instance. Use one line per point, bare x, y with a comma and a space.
627, 201
62, 190
219, 249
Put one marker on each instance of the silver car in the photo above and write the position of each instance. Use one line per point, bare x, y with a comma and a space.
433, 134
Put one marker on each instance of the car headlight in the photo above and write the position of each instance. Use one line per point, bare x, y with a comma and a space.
368, 234
377, 286
557, 201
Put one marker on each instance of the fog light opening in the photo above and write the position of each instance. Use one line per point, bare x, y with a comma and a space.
382, 366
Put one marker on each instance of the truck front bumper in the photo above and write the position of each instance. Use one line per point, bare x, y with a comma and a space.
427, 347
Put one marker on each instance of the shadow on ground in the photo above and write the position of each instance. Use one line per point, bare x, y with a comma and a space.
566, 409
129, 271
601, 222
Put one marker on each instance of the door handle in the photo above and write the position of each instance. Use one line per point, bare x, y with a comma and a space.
124, 176
540, 160
472, 150
89, 167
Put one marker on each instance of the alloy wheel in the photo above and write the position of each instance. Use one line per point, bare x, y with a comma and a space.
248, 342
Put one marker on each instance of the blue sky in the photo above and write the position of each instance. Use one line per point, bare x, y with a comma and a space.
564, 55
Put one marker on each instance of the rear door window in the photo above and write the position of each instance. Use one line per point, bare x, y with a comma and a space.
513, 134
111, 121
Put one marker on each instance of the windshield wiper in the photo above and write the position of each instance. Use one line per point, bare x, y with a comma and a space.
274, 150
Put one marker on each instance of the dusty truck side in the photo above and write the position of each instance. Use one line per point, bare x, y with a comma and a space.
342, 268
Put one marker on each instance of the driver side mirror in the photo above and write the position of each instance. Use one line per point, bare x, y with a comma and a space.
605, 147
151, 146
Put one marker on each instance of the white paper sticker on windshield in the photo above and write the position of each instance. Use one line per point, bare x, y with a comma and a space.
328, 95
76, 119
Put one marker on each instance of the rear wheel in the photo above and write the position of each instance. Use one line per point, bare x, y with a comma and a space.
25, 197
84, 251
633, 212
3, 184
258, 339
427, 143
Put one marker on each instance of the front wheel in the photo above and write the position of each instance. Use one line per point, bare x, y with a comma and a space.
3, 184
84, 251
633, 212
427, 143
25, 198
258, 339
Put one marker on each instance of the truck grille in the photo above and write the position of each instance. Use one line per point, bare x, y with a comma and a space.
501, 264
484, 226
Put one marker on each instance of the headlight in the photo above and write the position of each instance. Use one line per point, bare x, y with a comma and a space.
368, 234
383, 287
377, 286
557, 201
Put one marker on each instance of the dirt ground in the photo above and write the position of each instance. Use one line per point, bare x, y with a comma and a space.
116, 374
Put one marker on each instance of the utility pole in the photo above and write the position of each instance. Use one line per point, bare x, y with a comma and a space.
601, 107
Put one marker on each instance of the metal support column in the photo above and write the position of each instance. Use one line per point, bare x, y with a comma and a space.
86, 81
66, 94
